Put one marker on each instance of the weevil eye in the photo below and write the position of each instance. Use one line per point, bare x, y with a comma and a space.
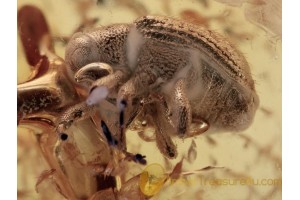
63, 136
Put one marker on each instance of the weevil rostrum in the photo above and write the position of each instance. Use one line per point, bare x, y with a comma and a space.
178, 73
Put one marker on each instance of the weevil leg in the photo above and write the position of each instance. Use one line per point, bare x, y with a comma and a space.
107, 85
74, 113
180, 109
101, 88
88, 75
162, 129
165, 144
138, 158
127, 93
92, 72
197, 127
164, 141
109, 169
156, 64
108, 135
136, 87
122, 137
143, 80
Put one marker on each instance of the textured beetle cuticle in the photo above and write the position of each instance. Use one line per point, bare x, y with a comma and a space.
182, 70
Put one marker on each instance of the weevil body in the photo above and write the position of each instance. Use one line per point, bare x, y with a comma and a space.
199, 75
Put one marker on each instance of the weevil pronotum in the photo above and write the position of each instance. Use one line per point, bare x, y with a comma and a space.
199, 76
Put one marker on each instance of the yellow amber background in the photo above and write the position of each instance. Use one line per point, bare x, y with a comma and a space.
253, 153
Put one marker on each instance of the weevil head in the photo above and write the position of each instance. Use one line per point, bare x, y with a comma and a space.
80, 51
103, 44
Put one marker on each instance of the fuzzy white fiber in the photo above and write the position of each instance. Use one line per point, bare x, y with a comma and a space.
97, 95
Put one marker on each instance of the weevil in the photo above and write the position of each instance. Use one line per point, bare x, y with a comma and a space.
200, 77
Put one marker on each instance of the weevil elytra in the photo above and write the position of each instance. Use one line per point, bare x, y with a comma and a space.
198, 75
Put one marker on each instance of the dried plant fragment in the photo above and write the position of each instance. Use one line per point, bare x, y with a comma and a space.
177, 170
107, 194
192, 152
268, 15
33, 29
44, 175
138, 8
194, 17
205, 3
241, 2
264, 13
210, 140
207, 168
266, 111
131, 190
